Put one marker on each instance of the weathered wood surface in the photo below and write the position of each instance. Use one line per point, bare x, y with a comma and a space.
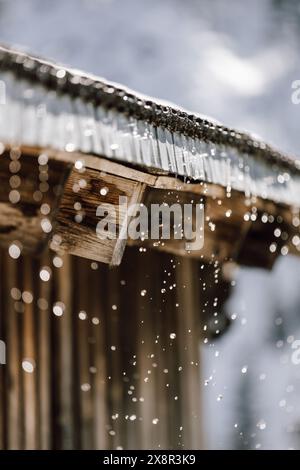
80, 237
237, 227
120, 367
25, 186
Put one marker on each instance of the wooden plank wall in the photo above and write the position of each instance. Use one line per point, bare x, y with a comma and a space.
118, 369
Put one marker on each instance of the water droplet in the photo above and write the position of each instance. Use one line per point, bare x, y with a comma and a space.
58, 309
45, 209
14, 251
28, 365
61, 73
42, 304
85, 387
43, 159
27, 297
57, 261
45, 274
103, 191
46, 225
82, 315
79, 164
261, 425
277, 232
114, 146
15, 293
14, 196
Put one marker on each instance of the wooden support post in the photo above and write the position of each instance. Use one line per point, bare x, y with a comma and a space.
122, 364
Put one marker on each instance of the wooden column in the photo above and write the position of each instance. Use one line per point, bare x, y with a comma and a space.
117, 366
102, 357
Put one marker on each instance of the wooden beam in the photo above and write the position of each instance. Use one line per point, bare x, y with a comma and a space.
237, 227
75, 229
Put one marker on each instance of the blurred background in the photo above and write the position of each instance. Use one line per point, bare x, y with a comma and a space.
235, 61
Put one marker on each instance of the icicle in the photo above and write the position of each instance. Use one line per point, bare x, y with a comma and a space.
36, 116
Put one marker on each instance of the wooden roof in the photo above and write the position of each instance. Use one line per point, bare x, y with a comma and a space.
80, 112
146, 149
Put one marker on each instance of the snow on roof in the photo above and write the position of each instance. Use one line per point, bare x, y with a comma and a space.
50, 105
